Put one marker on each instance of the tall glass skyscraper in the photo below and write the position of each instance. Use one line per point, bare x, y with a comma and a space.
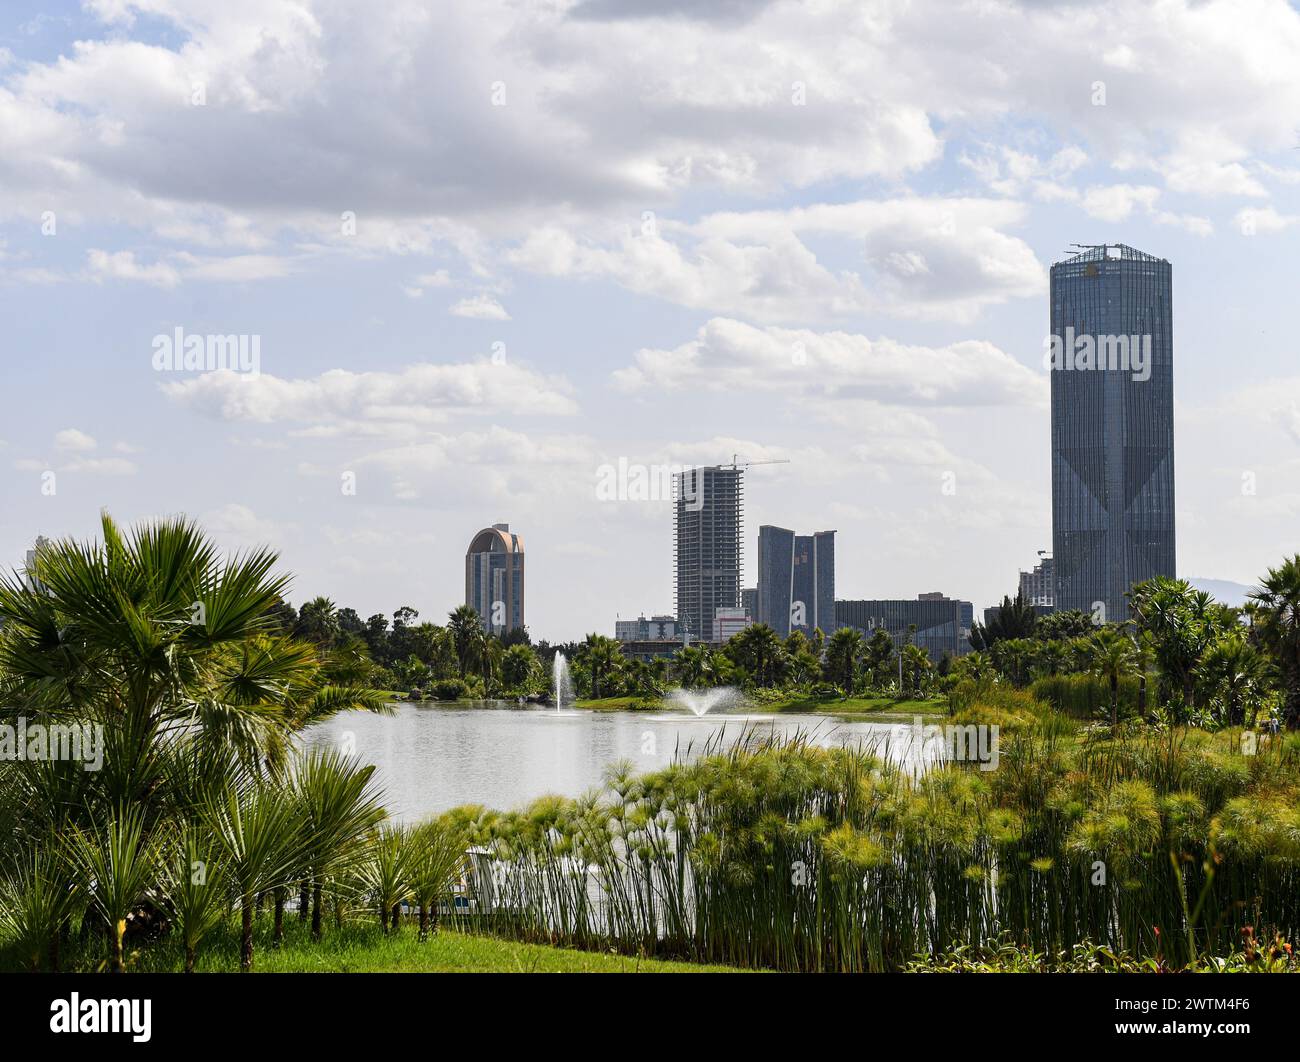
796, 580
1112, 379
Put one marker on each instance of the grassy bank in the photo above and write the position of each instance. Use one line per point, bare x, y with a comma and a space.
363, 948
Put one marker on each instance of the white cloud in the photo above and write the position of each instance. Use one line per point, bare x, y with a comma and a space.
122, 265
731, 356
391, 112
941, 258
480, 307
1264, 220
1116, 202
418, 394
74, 441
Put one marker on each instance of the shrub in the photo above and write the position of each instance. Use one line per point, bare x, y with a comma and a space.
1086, 696
452, 689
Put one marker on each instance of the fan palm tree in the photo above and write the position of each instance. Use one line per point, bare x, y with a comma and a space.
1277, 627
260, 841
436, 857
35, 900
466, 630
1235, 672
386, 873
119, 865
196, 888
1111, 656
694, 664
339, 806
152, 635
318, 622
603, 658
760, 652
916, 668
518, 668
844, 657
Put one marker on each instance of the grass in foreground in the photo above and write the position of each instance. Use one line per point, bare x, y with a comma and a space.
362, 948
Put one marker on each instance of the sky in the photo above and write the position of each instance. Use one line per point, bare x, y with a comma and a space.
487, 250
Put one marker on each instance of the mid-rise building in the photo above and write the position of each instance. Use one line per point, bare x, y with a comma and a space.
708, 506
641, 629
942, 624
1112, 377
796, 581
494, 578
728, 622
1038, 586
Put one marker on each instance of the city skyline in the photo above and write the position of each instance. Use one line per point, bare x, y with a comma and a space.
819, 235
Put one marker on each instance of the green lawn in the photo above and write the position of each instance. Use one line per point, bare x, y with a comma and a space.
362, 948
618, 704
854, 706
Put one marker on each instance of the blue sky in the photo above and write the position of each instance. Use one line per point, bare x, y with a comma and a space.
818, 233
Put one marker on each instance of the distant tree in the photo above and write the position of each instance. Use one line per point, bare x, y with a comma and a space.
844, 658
1277, 630
350, 622
519, 667
466, 630
760, 653
1012, 619
1064, 625
803, 657
516, 636
318, 622
1234, 673
284, 615
878, 656
376, 638
1183, 622
602, 658
694, 665
1112, 656
916, 669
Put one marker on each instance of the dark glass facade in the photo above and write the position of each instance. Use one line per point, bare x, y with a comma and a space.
1112, 426
942, 623
796, 581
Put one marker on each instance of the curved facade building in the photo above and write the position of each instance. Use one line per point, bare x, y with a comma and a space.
494, 578
1112, 426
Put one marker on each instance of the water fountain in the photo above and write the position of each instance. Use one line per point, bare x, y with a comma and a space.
562, 683
702, 701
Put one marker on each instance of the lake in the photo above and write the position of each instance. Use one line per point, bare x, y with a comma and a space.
432, 756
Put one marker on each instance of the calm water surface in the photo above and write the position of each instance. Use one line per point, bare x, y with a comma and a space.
432, 757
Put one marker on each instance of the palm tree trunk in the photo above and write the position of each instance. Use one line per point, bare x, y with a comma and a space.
424, 923
246, 935
115, 934
278, 902
189, 958
383, 917
304, 898
315, 911
397, 915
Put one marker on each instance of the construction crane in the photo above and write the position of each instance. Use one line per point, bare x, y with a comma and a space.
737, 463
